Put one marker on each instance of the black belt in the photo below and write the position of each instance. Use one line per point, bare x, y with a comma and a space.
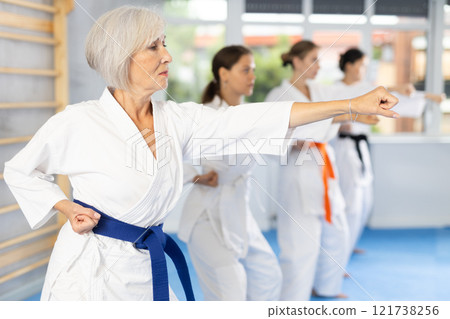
357, 138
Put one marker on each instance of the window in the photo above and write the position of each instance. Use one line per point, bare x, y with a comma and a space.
399, 57
338, 12
195, 32
267, 44
206, 10
445, 106
332, 44
280, 6
192, 48
402, 8
392, 33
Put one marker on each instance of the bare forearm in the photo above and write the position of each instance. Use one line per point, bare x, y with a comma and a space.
64, 206
376, 102
304, 113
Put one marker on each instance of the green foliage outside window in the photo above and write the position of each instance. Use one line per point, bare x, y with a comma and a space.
190, 69
269, 69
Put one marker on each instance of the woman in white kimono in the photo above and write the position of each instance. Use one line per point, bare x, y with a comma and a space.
352, 151
124, 156
232, 258
352, 148
312, 229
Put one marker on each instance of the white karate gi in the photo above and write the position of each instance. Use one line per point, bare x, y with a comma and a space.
313, 251
232, 258
356, 184
111, 168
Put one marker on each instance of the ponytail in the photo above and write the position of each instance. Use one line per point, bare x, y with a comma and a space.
286, 58
210, 91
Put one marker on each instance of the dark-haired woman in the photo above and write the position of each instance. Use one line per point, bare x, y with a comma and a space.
312, 229
232, 258
352, 151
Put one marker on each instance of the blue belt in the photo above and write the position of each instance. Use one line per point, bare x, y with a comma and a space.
154, 240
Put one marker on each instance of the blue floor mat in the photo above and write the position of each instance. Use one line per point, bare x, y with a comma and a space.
405, 264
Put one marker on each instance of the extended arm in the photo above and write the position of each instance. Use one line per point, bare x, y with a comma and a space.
376, 102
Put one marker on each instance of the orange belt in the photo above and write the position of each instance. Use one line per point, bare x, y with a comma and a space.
327, 172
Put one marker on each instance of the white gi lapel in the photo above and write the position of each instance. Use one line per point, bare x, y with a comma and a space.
151, 209
165, 172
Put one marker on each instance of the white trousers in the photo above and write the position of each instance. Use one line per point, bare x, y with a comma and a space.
313, 252
359, 212
224, 276
356, 185
313, 255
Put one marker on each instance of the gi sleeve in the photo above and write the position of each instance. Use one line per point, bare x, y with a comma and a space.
243, 129
29, 174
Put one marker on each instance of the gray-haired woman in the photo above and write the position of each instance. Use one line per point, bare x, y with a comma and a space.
98, 144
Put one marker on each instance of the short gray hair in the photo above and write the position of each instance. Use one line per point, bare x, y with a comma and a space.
116, 36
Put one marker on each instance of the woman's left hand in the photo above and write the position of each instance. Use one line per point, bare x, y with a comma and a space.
436, 98
407, 89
